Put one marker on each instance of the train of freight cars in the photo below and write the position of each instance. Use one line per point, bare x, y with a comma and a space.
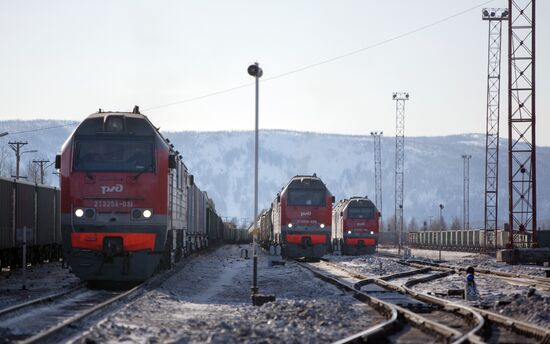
36, 207
301, 222
128, 203
466, 240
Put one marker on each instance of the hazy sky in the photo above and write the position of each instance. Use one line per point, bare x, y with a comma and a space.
65, 59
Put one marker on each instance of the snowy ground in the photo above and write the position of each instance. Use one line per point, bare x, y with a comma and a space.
42, 280
370, 265
519, 302
473, 259
209, 301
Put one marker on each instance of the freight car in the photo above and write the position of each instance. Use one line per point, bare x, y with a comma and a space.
298, 224
23, 204
355, 226
128, 204
464, 240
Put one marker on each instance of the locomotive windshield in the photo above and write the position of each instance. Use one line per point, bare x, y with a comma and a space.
306, 197
114, 155
366, 213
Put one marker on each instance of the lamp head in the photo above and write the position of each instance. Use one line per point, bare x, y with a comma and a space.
255, 70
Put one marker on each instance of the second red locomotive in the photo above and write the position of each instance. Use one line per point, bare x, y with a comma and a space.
355, 226
299, 221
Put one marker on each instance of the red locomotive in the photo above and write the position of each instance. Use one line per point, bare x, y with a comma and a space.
128, 204
355, 226
299, 221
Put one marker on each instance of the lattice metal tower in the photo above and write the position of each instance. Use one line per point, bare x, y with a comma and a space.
400, 98
378, 169
522, 176
495, 16
466, 220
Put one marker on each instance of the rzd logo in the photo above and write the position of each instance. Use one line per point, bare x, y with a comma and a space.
115, 188
305, 213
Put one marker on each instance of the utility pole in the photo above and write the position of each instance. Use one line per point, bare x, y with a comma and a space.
16, 147
42, 165
378, 171
494, 16
400, 98
466, 213
522, 165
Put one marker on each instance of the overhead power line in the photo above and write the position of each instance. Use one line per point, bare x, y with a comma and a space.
326, 61
40, 129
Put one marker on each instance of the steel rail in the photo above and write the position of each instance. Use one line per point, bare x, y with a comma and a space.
446, 305
47, 298
514, 325
444, 331
138, 290
539, 282
52, 330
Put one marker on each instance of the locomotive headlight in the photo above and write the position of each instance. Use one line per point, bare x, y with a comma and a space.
79, 212
290, 225
136, 213
322, 225
349, 232
371, 233
89, 213
147, 213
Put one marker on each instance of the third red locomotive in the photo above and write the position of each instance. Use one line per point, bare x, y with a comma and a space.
355, 226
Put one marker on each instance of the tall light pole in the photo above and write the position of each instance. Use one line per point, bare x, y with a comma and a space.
495, 17
400, 98
378, 171
466, 212
441, 206
522, 147
16, 146
4, 134
255, 71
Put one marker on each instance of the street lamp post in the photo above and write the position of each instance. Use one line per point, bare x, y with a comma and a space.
441, 206
255, 71
4, 134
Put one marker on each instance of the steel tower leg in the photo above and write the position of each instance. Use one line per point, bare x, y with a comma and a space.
400, 98
466, 220
522, 176
378, 170
495, 16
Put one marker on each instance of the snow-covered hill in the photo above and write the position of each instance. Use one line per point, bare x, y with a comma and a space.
222, 163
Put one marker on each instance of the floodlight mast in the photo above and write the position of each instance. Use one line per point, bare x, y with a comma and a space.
378, 171
522, 165
400, 98
494, 16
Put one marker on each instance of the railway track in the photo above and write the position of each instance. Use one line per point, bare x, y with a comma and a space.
49, 318
494, 327
409, 321
537, 282
37, 320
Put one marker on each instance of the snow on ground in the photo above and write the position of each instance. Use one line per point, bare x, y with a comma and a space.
474, 259
42, 280
208, 300
370, 264
519, 302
